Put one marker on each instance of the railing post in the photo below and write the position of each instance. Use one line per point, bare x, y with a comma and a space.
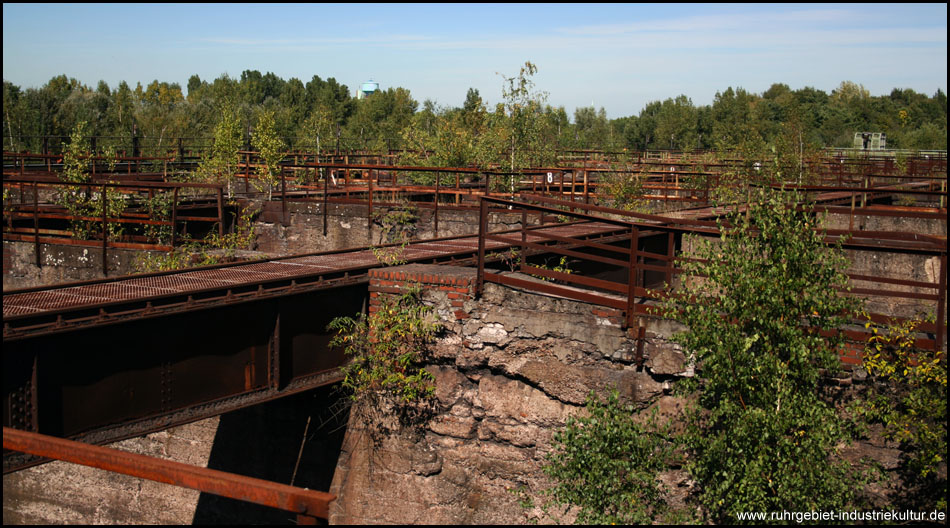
36, 225
524, 240
369, 209
326, 194
482, 231
220, 212
633, 275
941, 302
437, 190
586, 189
670, 248
174, 215
105, 230
283, 197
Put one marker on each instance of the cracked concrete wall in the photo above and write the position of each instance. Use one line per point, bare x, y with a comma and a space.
510, 369
60, 264
63, 493
346, 227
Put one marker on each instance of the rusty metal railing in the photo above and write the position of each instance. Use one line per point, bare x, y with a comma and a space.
308, 505
35, 210
634, 260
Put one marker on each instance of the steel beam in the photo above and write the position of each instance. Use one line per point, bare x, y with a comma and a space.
301, 501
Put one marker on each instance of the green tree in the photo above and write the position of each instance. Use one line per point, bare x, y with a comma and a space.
81, 201
910, 400
606, 463
221, 163
591, 129
472, 100
271, 149
381, 117
386, 351
676, 126
757, 305
524, 109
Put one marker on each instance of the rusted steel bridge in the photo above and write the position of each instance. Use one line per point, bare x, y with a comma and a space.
108, 359
103, 360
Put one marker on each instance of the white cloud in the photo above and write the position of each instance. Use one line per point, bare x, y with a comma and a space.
722, 22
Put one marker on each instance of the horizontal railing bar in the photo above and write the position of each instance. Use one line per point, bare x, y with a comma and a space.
272, 494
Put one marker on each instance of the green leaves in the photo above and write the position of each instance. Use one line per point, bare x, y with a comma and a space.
758, 297
386, 350
271, 149
912, 404
606, 463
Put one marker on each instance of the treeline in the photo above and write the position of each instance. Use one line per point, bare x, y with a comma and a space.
326, 111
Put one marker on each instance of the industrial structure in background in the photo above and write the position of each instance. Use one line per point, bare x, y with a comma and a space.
367, 88
870, 140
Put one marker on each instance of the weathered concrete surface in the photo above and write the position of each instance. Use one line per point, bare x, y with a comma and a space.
60, 264
510, 370
63, 493
347, 227
893, 265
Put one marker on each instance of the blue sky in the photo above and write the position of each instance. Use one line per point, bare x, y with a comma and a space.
615, 56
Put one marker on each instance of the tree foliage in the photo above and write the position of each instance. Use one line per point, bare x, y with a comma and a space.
221, 163
910, 399
386, 351
271, 148
757, 305
605, 463
524, 132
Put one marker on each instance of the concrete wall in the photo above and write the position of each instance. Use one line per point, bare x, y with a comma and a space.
346, 228
510, 369
264, 441
60, 263
63, 493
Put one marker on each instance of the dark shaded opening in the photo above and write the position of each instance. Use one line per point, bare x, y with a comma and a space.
263, 441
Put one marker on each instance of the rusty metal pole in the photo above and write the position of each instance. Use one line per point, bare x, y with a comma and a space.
308, 503
283, 197
586, 190
524, 239
482, 231
573, 187
220, 212
706, 190
105, 230
941, 305
36, 226
369, 209
174, 215
326, 193
670, 249
632, 275
436, 234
